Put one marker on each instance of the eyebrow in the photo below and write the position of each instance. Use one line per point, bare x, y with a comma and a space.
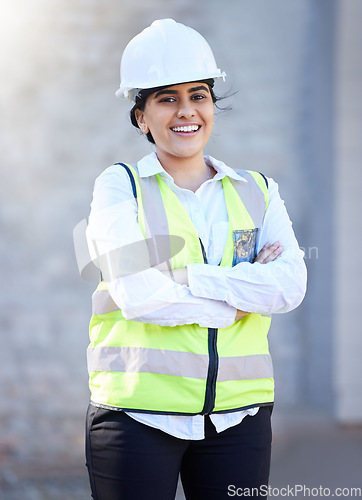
200, 87
172, 91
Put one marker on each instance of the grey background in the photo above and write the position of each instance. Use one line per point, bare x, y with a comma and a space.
296, 116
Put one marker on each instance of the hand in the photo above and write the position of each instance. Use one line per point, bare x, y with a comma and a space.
269, 253
240, 314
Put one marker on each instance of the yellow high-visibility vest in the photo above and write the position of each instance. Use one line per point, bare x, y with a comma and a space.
184, 369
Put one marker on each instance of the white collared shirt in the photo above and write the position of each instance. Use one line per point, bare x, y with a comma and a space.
214, 292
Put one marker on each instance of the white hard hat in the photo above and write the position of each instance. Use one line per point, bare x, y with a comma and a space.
165, 53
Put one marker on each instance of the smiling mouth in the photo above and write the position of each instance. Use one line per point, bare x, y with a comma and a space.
186, 128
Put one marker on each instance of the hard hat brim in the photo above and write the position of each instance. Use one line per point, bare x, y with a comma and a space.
130, 92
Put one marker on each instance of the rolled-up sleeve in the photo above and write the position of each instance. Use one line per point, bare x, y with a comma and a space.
275, 287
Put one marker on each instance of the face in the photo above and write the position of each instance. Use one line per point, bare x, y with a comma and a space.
180, 119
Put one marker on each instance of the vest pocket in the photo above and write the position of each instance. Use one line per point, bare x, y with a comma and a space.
244, 245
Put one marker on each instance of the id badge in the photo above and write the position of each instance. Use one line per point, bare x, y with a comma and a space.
244, 245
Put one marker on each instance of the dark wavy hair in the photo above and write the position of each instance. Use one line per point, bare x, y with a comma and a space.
141, 98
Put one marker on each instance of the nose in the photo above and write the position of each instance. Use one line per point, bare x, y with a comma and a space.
185, 109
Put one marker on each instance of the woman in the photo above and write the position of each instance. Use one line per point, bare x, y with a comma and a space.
197, 258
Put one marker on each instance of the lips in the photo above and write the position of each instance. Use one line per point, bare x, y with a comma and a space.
186, 128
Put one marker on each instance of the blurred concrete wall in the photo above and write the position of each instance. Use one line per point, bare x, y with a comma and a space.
347, 210
296, 116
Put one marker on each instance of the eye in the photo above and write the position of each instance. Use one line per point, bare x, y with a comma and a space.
198, 97
167, 99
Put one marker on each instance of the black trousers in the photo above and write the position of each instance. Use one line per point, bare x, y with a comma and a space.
128, 460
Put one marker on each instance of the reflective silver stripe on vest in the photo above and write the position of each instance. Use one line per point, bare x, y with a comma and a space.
176, 363
253, 199
245, 367
145, 360
156, 223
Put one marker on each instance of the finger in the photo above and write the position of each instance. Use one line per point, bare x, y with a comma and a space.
274, 254
263, 254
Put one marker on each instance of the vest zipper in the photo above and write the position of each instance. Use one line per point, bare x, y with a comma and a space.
203, 251
210, 391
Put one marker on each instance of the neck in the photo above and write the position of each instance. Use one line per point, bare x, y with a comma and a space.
187, 173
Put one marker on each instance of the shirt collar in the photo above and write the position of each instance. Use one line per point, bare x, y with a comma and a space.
222, 169
149, 165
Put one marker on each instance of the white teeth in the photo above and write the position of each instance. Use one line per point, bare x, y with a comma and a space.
189, 128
